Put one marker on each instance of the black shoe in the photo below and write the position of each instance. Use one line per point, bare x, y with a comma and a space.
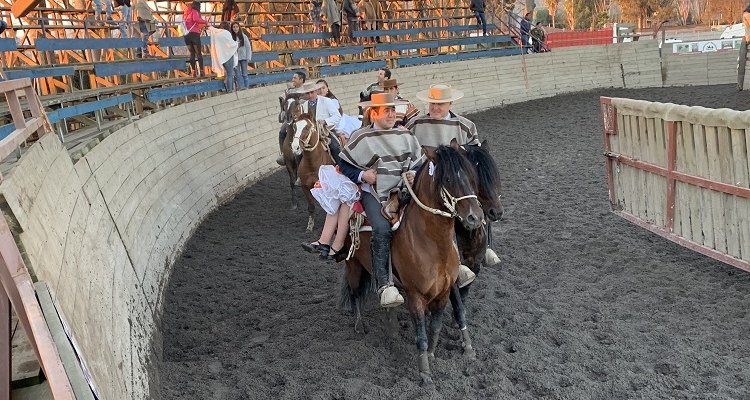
316, 248
337, 253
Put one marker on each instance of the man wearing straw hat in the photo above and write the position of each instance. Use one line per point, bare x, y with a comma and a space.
324, 110
439, 126
376, 147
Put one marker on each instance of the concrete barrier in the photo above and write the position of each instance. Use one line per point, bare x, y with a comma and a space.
103, 232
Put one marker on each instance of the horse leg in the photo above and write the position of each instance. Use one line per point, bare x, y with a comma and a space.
459, 314
436, 324
391, 322
420, 333
310, 210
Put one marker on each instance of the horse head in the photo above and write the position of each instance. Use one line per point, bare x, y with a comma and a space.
451, 178
308, 134
488, 189
291, 107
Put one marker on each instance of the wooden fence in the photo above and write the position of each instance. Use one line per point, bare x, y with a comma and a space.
681, 172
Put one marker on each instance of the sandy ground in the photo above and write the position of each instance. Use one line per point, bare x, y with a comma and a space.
584, 306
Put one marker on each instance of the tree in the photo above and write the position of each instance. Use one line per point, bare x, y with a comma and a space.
682, 10
640, 10
552, 8
730, 10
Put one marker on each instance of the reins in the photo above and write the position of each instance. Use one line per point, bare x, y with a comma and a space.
316, 127
449, 201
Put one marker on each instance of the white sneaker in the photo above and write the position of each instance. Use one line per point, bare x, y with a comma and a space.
490, 258
465, 276
390, 297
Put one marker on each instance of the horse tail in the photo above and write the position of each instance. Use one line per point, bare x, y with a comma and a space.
345, 296
347, 293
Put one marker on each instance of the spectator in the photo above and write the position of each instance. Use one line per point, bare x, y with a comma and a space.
98, 9
224, 54
316, 16
244, 55
194, 24
477, 6
145, 27
378, 17
538, 35
383, 74
229, 10
325, 92
298, 79
333, 19
368, 17
3, 26
526, 32
352, 14
125, 17
404, 111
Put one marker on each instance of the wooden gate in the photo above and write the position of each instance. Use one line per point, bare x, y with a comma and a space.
681, 172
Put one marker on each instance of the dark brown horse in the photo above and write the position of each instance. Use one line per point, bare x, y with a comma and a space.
423, 256
472, 244
291, 108
309, 139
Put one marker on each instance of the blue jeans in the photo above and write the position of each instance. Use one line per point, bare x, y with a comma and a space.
143, 29
124, 21
229, 70
98, 7
241, 74
481, 21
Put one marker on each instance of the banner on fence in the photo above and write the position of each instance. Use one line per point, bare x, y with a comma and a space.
706, 46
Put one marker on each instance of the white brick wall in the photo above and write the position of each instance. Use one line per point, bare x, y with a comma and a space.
103, 233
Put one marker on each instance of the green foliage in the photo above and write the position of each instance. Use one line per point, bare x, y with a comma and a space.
542, 15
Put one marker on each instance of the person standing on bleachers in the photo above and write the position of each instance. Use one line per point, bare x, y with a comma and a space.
98, 9
145, 26
352, 18
194, 24
333, 19
229, 10
244, 54
526, 33
477, 6
223, 53
125, 17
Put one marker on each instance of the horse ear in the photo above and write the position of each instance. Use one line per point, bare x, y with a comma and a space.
454, 143
485, 143
430, 153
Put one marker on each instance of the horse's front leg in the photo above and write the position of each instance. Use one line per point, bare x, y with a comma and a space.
310, 210
420, 332
436, 324
459, 314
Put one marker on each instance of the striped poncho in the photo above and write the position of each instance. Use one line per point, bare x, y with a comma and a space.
389, 151
436, 132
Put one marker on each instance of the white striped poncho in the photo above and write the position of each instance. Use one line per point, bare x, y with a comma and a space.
389, 151
436, 132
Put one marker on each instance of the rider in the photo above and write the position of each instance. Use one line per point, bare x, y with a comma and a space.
298, 79
438, 127
404, 113
324, 110
370, 152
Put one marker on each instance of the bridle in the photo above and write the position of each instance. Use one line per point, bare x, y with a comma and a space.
315, 129
449, 200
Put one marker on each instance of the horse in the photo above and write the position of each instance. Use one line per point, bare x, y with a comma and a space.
291, 108
309, 139
472, 244
423, 256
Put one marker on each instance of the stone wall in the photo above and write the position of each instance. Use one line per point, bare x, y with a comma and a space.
104, 232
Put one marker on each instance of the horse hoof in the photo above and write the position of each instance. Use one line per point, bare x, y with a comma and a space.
293, 207
427, 382
470, 353
360, 328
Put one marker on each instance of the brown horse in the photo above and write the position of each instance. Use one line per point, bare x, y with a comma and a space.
423, 256
310, 139
291, 108
472, 244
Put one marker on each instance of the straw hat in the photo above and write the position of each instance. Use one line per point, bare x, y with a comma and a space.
387, 84
440, 93
382, 100
308, 87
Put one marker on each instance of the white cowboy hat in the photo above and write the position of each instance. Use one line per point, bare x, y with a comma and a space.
382, 100
308, 87
440, 93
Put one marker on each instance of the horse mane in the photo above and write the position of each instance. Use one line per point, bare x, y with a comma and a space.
449, 163
486, 167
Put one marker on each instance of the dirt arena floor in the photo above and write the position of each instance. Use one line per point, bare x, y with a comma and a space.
584, 306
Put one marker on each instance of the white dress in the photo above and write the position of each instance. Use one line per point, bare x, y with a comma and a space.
333, 189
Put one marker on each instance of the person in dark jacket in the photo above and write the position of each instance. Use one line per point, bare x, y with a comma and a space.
352, 14
229, 10
526, 32
477, 6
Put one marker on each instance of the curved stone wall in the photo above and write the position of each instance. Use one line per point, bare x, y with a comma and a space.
104, 232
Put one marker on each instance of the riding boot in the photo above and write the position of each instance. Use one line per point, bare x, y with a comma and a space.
280, 160
335, 148
381, 248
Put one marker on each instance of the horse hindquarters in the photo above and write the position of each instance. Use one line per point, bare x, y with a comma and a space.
356, 282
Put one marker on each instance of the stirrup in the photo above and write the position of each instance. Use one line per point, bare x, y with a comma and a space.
389, 296
465, 276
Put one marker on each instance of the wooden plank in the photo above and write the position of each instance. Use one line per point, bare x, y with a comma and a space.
726, 171
44, 44
7, 44
352, 67
262, 56
626, 172
704, 215
431, 44
615, 146
158, 94
33, 73
659, 154
742, 61
271, 37
262, 79
488, 53
682, 205
325, 52
20, 8
9, 143
180, 41
83, 108
68, 356
143, 67
643, 176
414, 31
718, 205
5, 345
741, 158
